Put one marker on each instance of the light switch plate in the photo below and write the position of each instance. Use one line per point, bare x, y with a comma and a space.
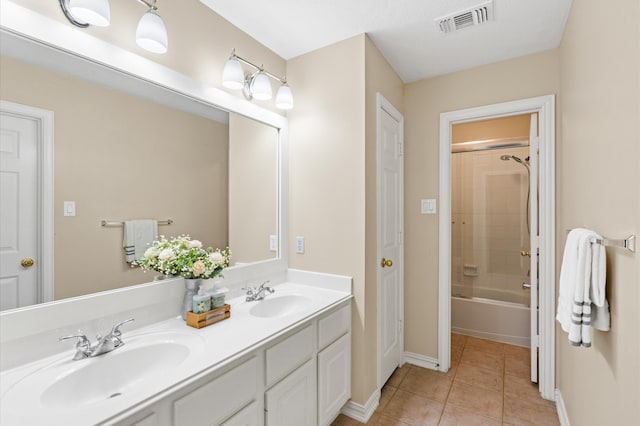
300, 245
69, 208
428, 206
273, 242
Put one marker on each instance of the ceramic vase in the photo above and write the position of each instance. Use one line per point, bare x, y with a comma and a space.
191, 287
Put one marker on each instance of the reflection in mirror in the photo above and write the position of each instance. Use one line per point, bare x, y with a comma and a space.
120, 157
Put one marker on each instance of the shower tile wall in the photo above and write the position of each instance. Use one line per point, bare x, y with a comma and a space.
489, 227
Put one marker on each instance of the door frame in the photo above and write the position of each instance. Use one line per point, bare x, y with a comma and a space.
383, 105
545, 107
44, 124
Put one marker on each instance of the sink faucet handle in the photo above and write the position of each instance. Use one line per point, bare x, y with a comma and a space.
248, 289
83, 345
115, 331
82, 339
264, 284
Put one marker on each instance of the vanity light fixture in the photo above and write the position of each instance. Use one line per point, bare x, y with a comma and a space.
151, 33
255, 85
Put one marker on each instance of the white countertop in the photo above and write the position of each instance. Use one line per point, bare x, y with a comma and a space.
212, 347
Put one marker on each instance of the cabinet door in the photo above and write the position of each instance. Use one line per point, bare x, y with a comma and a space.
334, 378
292, 402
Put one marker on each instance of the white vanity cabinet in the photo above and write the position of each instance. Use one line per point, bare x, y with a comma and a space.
301, 377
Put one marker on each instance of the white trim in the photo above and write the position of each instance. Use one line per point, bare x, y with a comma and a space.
44, 123
359, 412
382, 104
561, 409
421, 360
545, 106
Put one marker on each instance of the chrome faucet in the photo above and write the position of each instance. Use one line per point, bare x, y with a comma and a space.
86, 349
259, 292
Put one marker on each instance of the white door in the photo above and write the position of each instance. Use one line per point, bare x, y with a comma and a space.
390, 222
19, 196
535, 244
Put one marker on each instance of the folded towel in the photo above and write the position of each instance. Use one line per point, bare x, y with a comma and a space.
582, 281
138, 235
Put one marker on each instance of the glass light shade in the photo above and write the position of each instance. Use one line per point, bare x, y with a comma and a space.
261, 87
284, 97
93, 12
233, 76
151, 34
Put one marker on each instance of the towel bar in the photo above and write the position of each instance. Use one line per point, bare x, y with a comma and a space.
113, 223
629, 243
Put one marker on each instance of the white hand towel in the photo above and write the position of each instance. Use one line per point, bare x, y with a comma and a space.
581, 302
138, 235
568, 273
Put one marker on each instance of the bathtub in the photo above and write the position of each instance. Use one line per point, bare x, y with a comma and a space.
489, 319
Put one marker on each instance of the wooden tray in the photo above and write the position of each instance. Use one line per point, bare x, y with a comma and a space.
208, 318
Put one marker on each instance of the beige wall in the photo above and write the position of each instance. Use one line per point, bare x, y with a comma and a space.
599, 188
120, 157
525, 77
253, 188
327, 177
200, 41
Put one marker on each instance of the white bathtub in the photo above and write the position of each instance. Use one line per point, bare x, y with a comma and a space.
488, 319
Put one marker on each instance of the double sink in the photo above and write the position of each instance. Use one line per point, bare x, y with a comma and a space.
149, 361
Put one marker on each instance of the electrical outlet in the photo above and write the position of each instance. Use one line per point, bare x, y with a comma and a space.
300, 245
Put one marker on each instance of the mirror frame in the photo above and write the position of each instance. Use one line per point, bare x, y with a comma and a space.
37, 34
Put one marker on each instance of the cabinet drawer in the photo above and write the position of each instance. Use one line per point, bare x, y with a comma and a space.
286, 356
248, 416
333, 326
226, 394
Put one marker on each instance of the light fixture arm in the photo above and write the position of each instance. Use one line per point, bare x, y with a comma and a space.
64, 5
258, 68
149, 5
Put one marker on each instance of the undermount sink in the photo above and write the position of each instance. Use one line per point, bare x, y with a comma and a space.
144, 363
280, 306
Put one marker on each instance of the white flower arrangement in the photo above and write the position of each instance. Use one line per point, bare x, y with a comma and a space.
184, 257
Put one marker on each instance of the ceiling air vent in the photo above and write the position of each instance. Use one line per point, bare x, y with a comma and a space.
467, 18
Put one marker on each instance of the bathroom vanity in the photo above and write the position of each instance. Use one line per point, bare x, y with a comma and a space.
285, 360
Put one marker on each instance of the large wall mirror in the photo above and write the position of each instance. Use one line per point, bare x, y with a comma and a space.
124, 149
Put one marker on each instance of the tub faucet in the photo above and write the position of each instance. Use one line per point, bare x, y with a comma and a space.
86, 349
259, 292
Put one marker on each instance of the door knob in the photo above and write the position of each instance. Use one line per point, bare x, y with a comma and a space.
26, 262
525, 253
386, 262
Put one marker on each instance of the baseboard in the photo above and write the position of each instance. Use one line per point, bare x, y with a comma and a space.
561, 409
421, 360
362, 413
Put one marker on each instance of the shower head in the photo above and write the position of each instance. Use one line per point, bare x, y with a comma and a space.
516, 159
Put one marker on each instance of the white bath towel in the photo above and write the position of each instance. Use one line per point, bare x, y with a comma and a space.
138, 235
582, 281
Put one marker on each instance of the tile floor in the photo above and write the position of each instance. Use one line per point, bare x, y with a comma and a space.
488, 384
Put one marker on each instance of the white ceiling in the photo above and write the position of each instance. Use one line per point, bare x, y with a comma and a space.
403, 30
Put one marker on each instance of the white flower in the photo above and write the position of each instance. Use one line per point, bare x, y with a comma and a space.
151, 253
194, 244
166, 254
216, 258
